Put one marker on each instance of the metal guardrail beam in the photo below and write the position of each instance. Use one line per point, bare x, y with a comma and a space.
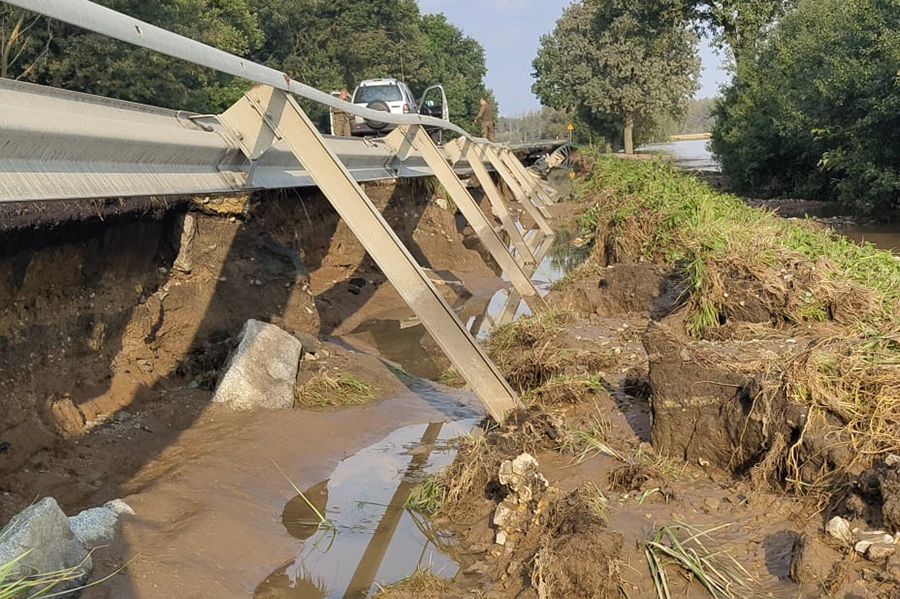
99, 19
67, 145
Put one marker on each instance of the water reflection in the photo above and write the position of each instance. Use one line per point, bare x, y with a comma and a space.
401, 338
692, 155
375, 538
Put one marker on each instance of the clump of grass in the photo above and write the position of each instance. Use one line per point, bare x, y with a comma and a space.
47, 584
590, 440
424, 582
39, 585
565, 389
532, 351
427, 496
452, 378
691, 549
323, 390
724, 250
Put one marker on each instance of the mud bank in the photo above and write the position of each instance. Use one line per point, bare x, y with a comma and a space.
108, 350
690, 412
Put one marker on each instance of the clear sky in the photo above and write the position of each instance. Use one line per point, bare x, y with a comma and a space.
510, 31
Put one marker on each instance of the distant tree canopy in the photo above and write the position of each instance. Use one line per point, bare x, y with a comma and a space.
616, 68
816, 112
328, 45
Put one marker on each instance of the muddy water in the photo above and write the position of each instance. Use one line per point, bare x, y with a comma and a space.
400, 337
369, 537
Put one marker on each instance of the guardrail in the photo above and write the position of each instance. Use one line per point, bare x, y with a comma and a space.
60, 144
68, 145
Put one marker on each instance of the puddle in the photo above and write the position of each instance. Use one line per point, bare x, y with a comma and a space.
372, 539
400, 337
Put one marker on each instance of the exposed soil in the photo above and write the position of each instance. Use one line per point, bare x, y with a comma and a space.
109, 357
97, 329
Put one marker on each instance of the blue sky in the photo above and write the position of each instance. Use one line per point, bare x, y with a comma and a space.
510, 31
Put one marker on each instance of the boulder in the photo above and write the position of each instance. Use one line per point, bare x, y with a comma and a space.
43, 535
262, 369
98, 525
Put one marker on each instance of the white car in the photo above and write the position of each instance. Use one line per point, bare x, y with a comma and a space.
394, 96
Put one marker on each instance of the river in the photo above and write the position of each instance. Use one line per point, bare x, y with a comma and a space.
695, 155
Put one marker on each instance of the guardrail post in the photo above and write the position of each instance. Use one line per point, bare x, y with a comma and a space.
415, 137
510, 307
518, 192
526, 181
463, 149
264, 115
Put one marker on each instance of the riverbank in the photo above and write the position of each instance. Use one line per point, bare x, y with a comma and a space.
766, 351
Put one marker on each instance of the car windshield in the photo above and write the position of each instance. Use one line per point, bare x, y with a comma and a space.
370, 93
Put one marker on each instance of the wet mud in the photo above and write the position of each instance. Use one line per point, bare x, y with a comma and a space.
639, 433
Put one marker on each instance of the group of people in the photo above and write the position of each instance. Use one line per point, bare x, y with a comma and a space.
485, 118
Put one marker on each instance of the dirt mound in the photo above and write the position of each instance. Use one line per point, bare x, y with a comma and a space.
781, 416
472, 477
537, 350
616, 290
578, 557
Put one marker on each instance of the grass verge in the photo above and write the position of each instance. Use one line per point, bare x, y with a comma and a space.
725, 250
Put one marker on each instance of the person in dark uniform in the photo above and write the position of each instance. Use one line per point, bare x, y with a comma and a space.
485, 118
340, 118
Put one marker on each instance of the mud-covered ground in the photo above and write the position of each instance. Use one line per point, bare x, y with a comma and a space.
109, 358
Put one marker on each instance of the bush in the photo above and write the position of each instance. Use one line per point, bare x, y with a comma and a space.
815, 113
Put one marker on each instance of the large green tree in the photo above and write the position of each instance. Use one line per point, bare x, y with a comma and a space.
816, 113
328, 45
612, 68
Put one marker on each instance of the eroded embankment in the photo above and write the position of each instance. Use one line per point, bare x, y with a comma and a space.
715, 385
104, 326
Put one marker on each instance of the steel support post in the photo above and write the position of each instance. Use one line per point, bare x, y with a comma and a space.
404, 138
508, 312
525, 180
265, 115
509, 178
464, 149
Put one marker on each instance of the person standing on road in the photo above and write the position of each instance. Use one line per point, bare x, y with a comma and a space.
485, 118
340, 118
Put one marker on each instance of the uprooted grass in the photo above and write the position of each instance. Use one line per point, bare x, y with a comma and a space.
692, 550
323, 390
422, 583
852, 387
472, 474
532, 352
727, 252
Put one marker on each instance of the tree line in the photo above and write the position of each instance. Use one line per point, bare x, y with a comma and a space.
328, 45
813, 108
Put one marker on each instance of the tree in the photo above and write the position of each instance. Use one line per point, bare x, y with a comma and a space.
604, 64
457, 62
24, 42
817, 111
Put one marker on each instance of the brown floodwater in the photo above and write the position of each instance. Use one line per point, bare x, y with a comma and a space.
885, 237
369, 536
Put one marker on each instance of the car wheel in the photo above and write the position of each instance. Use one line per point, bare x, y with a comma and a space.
377, 105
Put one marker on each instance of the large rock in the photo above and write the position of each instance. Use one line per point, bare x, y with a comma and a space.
98, 525
42, 531
261, 371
